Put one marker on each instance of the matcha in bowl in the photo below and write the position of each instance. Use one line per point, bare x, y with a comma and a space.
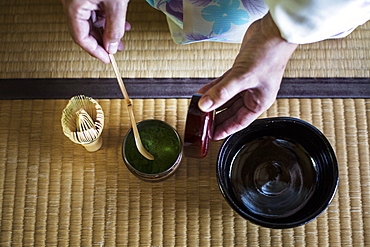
162, 141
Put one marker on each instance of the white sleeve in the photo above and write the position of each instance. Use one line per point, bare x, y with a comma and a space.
308, 21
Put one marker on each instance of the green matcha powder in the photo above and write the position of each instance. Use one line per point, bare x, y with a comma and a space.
161, 142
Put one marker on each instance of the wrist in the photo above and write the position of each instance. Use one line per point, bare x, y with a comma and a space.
272, 35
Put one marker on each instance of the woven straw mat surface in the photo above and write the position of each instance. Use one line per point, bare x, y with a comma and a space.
35, 43
54, 192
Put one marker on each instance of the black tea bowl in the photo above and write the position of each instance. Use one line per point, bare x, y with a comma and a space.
278, 172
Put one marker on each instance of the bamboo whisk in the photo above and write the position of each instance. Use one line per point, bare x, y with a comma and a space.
83, 122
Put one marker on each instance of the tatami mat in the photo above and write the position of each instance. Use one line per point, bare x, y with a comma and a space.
53, 192
35, 43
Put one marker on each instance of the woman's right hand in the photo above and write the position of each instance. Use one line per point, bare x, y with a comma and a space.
250, 87
86, 17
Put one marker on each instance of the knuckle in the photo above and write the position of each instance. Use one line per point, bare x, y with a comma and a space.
222, 93
241, 121
115, 35
78, 40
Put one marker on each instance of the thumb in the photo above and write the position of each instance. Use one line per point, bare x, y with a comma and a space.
221, 92
115, 24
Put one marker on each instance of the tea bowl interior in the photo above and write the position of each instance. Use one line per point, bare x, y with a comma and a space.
278, 172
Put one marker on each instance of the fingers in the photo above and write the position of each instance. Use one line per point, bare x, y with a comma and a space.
206, 87
241, 111
86, 17
91, 46
221, 90
232, 120
100, 23
80, 26
115, 24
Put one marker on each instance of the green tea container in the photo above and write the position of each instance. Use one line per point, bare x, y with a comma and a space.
162, 141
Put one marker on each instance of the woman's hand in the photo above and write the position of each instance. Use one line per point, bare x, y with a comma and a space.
86, 17
250, 87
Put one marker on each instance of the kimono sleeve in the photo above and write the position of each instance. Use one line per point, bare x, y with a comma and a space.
308, 21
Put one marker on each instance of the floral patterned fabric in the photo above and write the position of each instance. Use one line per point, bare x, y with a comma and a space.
211, 20
299, 21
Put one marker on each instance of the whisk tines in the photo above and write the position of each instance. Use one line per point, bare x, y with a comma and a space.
83, 122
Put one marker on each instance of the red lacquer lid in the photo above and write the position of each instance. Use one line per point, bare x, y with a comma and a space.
198, 130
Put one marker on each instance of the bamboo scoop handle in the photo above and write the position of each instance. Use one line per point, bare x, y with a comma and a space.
138, 142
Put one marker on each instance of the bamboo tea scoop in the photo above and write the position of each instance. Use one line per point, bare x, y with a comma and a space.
138, 142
